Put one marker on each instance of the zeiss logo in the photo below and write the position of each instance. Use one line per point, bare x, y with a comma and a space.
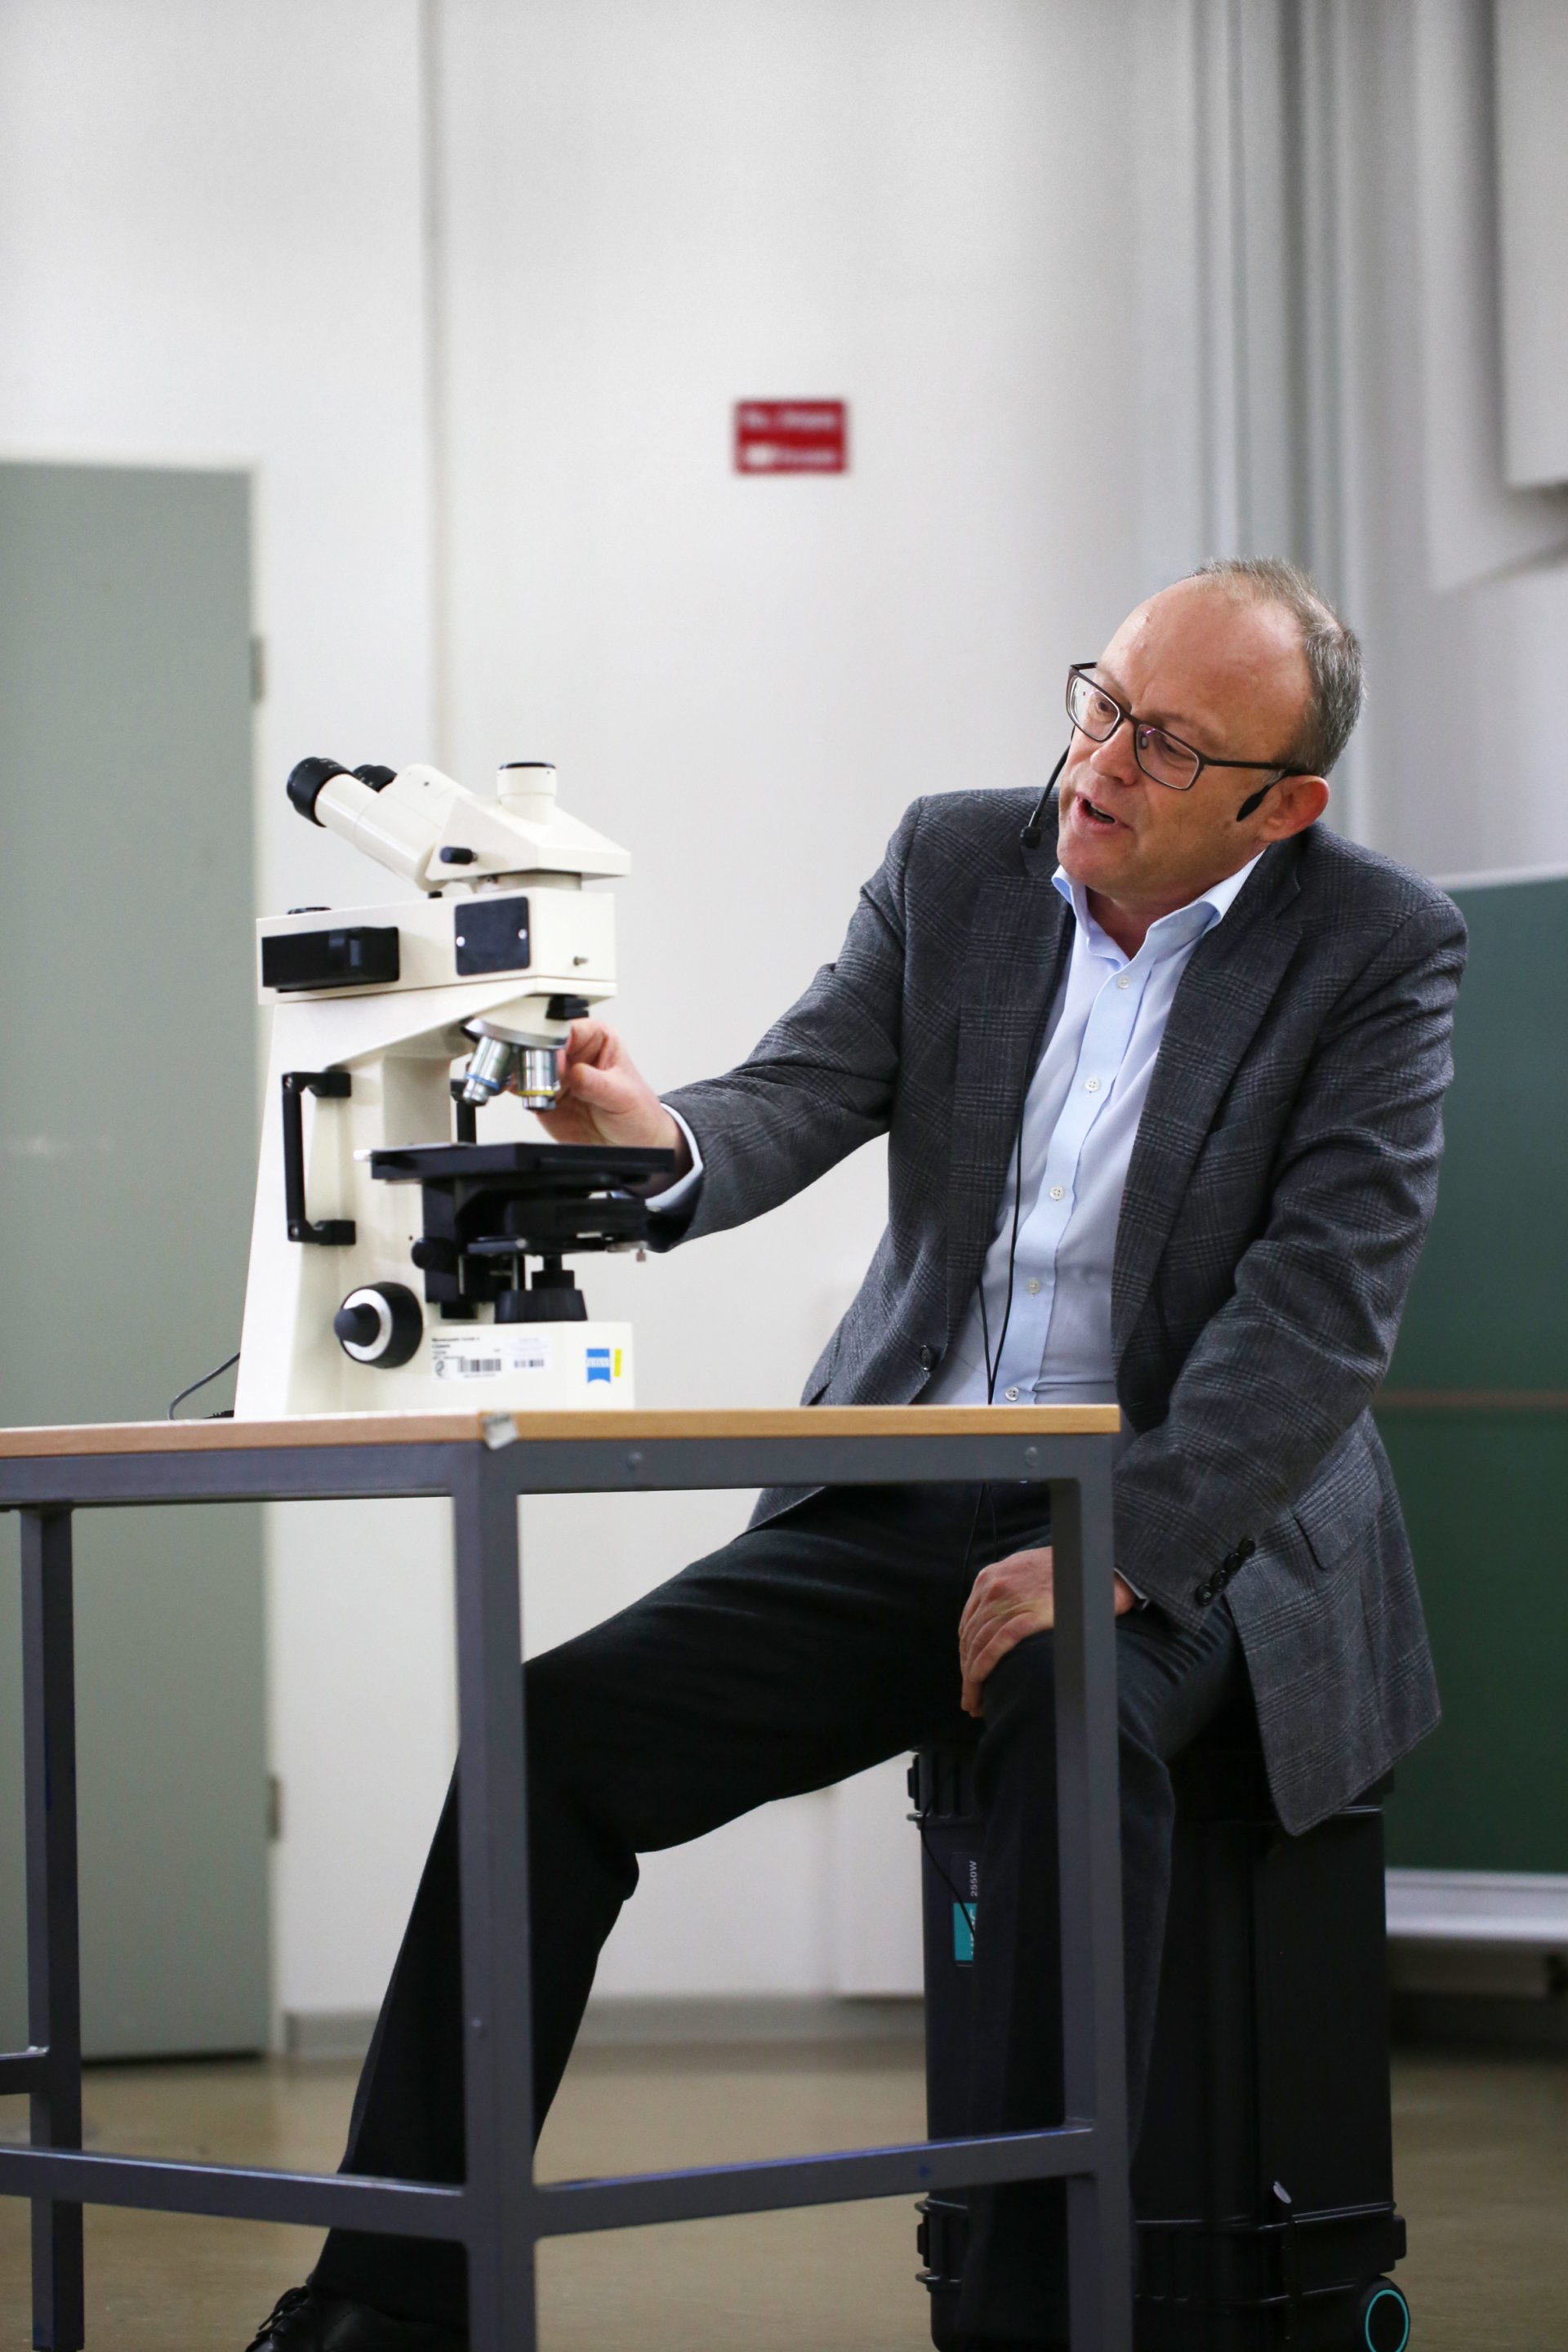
598, 1365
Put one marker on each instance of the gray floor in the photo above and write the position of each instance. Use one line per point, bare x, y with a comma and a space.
1482, 2174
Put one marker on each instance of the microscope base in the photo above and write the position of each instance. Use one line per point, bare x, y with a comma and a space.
499, 1367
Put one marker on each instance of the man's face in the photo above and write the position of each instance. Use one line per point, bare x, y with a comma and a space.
1228, 678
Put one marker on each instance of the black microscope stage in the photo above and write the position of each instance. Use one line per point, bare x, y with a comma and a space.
487, 1207
542, 1167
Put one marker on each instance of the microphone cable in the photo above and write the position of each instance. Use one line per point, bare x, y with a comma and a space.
1030, 836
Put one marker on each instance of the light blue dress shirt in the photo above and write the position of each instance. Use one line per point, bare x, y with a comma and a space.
1052, 1345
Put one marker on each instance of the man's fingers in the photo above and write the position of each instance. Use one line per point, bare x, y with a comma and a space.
1012, 1622
978, 1630
1022, 1577
594, 1082
590, 1042
994, 1648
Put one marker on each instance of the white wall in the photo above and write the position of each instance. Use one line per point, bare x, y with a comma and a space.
1460, 584
214, 247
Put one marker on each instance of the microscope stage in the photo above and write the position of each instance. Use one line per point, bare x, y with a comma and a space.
578, 1167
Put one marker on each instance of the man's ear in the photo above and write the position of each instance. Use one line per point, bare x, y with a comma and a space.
1296, 802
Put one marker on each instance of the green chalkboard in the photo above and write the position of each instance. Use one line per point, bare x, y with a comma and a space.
1476, 1417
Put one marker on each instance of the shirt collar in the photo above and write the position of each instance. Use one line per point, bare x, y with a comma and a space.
1179, 929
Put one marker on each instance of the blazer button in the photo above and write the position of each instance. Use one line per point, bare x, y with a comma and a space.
1203, 1595
928, 1357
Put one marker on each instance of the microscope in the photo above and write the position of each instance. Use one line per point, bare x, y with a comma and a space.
391, 1248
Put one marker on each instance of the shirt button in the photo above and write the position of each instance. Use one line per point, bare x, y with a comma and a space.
1033, 1286
1124, 981
1012, 1396
1092, 1085
1058, 1192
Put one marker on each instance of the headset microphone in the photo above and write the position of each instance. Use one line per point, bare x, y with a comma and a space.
1030, 836
1253, 799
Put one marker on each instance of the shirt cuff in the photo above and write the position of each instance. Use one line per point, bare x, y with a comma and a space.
679, 1194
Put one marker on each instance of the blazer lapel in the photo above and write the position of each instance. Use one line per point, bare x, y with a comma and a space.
1226, 990
1019, 935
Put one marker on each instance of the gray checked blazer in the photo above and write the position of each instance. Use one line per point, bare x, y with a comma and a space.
1283, 1177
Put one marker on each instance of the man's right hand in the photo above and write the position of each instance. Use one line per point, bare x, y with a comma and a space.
604, 1098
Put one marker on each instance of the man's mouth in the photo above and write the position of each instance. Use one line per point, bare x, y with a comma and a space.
1099, 816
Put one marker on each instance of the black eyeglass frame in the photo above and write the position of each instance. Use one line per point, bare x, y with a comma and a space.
1126, 718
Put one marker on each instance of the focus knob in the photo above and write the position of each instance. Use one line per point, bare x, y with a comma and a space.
381, 1325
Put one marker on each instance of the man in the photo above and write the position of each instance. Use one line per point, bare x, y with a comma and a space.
1161, 1064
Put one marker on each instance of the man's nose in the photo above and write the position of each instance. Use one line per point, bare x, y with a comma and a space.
1113, 759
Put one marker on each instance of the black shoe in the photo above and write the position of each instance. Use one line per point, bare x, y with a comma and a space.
304, 2321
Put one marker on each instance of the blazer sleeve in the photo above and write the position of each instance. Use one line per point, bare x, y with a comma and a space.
1296, 1354
821, 1082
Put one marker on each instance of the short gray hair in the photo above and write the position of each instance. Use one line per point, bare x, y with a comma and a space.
1337, 683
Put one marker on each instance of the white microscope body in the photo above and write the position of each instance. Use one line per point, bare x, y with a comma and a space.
388, 1256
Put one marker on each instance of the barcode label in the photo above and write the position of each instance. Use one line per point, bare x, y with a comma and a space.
473, 1356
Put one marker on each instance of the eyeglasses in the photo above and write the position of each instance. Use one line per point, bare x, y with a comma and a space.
1163, 758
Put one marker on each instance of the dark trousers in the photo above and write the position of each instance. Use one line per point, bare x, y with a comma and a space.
804, 1651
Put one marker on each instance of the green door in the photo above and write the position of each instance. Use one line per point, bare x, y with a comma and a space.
127, 1125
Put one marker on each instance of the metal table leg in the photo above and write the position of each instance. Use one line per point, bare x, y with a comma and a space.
497, 2071
54, 1992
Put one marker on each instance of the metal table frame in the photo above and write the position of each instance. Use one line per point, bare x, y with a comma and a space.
500, 2211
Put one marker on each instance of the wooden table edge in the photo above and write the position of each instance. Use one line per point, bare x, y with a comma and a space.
605, 1428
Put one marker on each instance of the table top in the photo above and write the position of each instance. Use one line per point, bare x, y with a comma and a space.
612, 1428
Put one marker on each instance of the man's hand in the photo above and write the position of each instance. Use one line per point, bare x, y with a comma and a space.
1015, 1597
604, 1098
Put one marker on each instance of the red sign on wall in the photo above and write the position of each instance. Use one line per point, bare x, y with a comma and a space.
792, 437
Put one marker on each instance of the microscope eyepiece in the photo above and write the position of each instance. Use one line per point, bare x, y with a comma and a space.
306, 780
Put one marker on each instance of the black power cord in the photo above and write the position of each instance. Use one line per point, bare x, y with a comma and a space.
228, 1365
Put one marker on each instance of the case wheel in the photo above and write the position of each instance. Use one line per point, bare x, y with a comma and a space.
1382, 2319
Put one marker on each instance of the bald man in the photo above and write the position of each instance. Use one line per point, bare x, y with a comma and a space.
1160, 1061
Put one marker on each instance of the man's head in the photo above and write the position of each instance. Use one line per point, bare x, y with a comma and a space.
1243, 661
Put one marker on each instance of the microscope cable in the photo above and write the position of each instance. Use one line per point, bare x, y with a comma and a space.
228, 1365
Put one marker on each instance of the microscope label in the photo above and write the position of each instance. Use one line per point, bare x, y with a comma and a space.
486, 1355
490, 935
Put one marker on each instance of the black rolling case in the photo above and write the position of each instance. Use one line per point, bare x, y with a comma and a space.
1263, 2183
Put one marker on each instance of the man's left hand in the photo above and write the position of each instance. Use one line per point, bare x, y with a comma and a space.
1013, 1598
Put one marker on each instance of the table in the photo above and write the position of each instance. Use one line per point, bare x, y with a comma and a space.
484, 1461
